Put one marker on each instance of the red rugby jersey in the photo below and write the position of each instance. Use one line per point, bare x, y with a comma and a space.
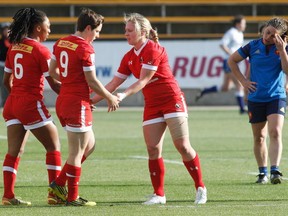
29, 63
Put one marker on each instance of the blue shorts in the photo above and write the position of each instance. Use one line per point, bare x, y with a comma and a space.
258, 111
226, 67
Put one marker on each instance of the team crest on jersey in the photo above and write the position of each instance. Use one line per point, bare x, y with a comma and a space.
178, 106
277, 52
130, 62
22, 47
67, 44
257, 51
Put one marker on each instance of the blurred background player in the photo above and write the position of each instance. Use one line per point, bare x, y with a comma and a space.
73, 63
230, 42
4, 45
267, 94
27, 62
164, 104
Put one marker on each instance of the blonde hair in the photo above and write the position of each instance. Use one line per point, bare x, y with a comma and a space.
142, 24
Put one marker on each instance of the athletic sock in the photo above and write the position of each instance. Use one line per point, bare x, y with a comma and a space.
62, 178
263, 170
240, 100
53, 164
241, 103
157, 172
10, 167
73, 178
274, 168
194, 170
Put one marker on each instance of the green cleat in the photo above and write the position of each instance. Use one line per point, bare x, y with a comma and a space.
54, 200
59, 191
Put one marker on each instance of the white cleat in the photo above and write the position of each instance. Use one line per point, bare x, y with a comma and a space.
155, 199
201, 195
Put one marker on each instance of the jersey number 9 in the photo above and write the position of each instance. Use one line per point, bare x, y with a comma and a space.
64, 63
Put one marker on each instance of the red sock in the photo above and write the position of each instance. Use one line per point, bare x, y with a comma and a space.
62, 178
194, 169
10, 167
73, 177
53, 163
157, 172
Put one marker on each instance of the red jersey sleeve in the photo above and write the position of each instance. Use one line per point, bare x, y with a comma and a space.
43, 56
152, 56
88, 59
124, 70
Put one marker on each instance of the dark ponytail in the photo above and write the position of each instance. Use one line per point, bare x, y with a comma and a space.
23, 23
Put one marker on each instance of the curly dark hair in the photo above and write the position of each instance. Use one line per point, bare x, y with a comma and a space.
23, 23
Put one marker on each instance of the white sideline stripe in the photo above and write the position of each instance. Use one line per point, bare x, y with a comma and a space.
225, 206
166, 161
41, 161
177, 206
3, 137
32, 137
255, 173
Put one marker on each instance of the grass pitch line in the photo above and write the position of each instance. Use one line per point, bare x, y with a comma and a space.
178, 206
166, 161
32, 138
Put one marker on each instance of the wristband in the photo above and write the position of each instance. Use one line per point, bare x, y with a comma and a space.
121, 96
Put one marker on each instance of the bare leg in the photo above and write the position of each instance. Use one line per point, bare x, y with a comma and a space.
154, 136
260, 147
275, 125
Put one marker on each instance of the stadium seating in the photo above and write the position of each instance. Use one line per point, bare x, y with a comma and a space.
113, 2
190, 22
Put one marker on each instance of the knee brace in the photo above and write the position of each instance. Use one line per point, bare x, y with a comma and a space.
178, 127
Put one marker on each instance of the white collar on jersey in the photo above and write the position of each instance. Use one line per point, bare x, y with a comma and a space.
143, 45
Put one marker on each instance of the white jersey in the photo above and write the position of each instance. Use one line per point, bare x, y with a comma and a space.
233, 39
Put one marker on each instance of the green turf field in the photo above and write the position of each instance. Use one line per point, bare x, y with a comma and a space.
116, 175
